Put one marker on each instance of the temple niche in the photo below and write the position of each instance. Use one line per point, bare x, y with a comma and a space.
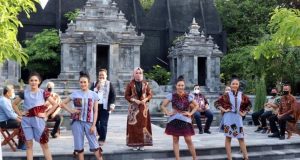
100, 38
197, 58
10, 73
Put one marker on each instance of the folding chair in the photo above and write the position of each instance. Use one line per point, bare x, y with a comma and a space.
9, 137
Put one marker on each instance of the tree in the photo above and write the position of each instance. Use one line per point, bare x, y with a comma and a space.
281, 48
10, 48
43, 50
246, 23
244, 20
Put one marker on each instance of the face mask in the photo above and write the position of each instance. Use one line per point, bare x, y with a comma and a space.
12, 96
197, 91
273, 94
285, 93
49, 89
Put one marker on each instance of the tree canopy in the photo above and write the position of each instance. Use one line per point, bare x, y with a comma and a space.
250, 23
10, 48
43, 51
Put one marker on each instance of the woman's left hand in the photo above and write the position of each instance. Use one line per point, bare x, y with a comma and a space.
243, 113
188, 114
92, 129
144, 101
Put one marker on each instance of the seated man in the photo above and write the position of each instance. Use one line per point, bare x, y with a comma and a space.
285, 113
57, 118
203, 110
260, 117
8, 117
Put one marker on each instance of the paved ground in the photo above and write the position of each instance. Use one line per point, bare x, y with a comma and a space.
116, 140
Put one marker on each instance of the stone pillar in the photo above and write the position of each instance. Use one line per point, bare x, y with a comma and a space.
91, 59
195, 70
136, 56
64, 56
208, 72
114, 66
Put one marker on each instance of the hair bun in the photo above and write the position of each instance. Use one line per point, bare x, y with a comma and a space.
234, 77
180, 78
83, 73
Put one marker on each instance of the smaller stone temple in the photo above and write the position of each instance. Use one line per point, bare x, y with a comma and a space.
197, 58
100, 38
10, 73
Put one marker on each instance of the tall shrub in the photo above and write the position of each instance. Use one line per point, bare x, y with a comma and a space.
260, 94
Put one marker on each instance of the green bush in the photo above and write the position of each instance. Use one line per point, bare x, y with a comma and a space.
71, 15
159, 74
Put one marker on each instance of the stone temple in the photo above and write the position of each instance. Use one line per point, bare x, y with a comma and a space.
197, 58
100, 39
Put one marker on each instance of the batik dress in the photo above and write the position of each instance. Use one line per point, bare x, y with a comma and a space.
232, 121
82, 121
179, 124
139, 132
33, 126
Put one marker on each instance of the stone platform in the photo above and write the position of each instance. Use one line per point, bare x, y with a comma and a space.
209, 147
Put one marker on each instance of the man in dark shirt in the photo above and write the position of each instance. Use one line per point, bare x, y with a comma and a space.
286, 104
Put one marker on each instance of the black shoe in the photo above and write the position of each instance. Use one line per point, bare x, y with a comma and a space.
274, 135
265, 130
258, 129
207, 131
53, 135
281, 137
200, 132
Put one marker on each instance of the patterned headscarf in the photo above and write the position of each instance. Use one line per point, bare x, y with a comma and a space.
138, 77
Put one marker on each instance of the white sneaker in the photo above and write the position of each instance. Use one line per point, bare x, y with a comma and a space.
141, 148
135, 148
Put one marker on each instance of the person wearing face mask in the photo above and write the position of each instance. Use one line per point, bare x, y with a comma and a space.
8, 117
286, 104
260, 117
107, 96
138, 93
202, 110
55, 116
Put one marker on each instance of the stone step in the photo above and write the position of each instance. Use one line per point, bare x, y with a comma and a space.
292, 154
255, 153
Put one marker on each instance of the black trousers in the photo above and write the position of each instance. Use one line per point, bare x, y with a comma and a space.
282, 123
101, 125
260, 117
10, 124
58, 120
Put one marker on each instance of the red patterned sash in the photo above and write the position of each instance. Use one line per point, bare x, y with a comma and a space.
36, 110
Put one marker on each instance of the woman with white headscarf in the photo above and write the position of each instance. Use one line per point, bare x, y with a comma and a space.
138, 93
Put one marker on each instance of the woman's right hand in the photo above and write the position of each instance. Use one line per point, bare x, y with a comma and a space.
73, 111
227, 110
170, 113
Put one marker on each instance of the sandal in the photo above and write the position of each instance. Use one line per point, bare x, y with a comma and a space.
75, 155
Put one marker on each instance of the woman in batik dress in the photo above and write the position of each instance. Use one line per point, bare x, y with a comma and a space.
138, 93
